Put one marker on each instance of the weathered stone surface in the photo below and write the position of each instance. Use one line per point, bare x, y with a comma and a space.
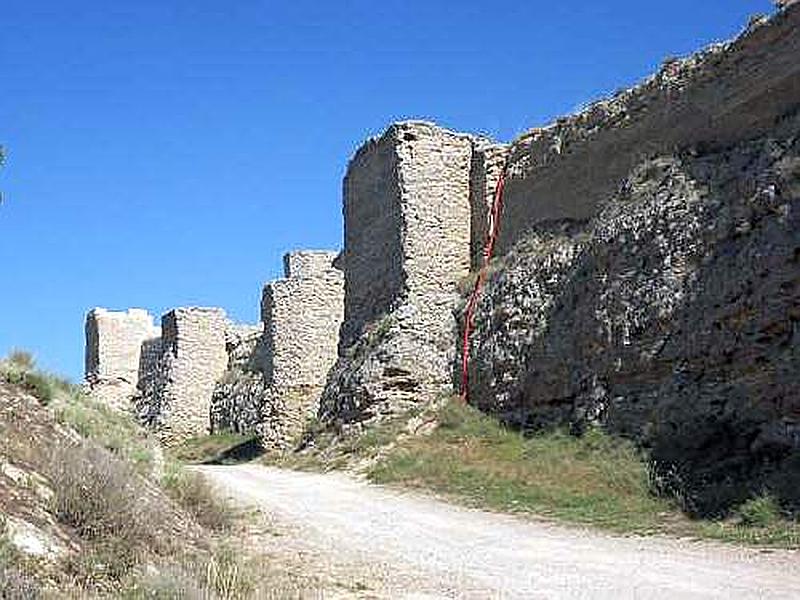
302, 264
302, 315
488, 160
244, 345
407, 231
724, 94
114, 351
176, 398
671, 316
276, 390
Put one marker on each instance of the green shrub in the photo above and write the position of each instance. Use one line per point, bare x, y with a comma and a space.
762, 511
20, 369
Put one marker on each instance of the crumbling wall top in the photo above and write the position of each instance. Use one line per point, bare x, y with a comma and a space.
308, 263
113, 343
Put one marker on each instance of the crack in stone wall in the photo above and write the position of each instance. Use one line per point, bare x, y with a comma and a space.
487, 166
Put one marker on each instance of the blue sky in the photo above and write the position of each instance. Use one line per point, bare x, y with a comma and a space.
165, 153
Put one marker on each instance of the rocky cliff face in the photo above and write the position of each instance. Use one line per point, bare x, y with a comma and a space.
671, 316
723, 94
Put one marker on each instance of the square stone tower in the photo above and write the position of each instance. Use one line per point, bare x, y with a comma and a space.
193, 358
302, 315
407, 244
407, 225
114, 342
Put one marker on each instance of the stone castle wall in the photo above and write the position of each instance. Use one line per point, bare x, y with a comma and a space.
416, 202
727, 93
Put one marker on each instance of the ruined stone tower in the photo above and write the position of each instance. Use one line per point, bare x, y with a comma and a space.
407, 240
114, 342
277, 390
302, 314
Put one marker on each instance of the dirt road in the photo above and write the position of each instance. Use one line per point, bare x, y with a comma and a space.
400, 545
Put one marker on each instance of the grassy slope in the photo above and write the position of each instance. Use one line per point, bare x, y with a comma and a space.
142, 528
594, 479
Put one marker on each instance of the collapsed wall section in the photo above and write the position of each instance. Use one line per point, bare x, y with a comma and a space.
727, 93
114, 352
407, 243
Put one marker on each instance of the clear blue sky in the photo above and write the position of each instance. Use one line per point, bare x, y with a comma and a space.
167, 152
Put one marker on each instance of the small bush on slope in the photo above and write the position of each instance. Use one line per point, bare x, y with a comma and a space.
20, 369
192, 492
111, 429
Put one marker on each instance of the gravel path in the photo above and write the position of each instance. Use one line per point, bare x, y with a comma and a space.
404, 545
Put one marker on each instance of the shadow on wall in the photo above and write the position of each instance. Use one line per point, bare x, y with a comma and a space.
671, 318
246, 451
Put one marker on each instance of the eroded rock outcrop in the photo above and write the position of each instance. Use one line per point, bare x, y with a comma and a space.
671, 316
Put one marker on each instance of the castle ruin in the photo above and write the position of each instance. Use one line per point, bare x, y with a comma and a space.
372, 332
200, 371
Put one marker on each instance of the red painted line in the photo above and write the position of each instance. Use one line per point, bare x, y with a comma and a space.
488, 252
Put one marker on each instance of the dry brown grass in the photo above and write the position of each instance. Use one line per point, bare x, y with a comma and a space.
192, 492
